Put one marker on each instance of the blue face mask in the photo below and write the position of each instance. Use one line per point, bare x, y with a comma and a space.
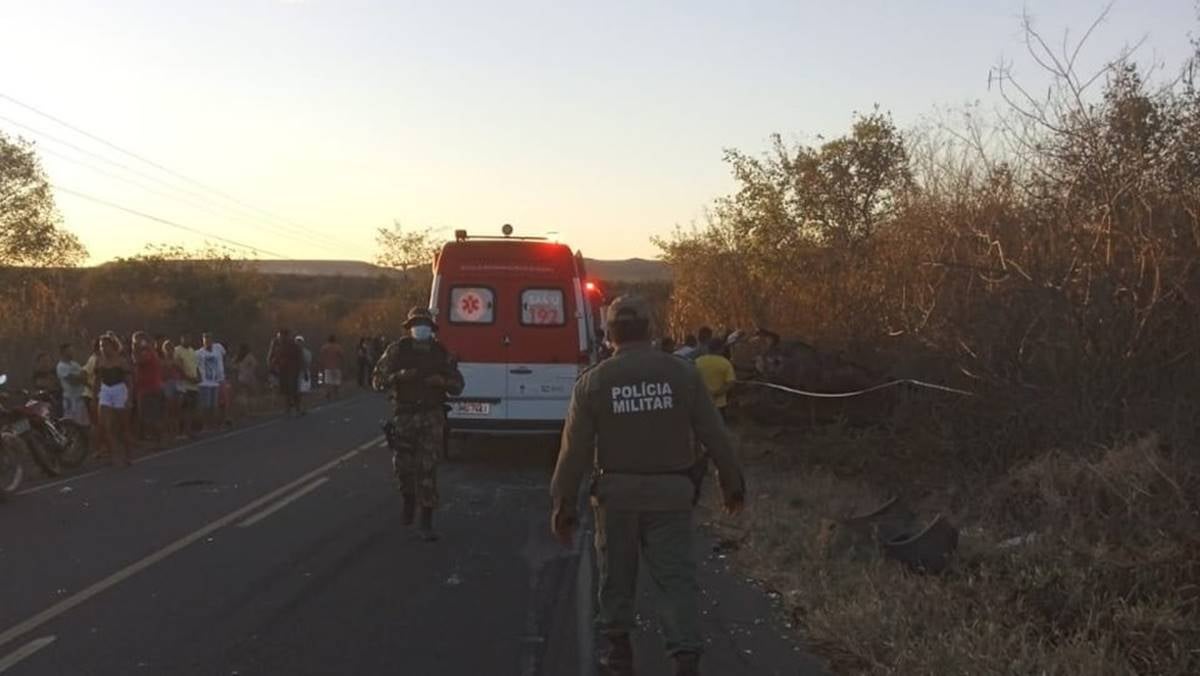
421, 332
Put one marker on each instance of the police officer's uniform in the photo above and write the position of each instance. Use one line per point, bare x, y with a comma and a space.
632, 419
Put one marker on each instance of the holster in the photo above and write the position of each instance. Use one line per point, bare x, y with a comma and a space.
415, 407
408, 408
647, 490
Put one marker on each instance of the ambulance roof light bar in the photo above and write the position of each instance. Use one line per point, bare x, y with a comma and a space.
507, 230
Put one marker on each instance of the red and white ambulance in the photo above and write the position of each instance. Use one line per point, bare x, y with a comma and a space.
519, 314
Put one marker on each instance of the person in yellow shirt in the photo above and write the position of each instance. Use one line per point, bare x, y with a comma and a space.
717, 373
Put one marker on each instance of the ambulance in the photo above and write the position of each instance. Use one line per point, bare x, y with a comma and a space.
519, 315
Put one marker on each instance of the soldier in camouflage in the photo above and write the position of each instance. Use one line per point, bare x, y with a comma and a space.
420, 373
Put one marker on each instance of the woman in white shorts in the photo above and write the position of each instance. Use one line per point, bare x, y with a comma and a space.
113, 373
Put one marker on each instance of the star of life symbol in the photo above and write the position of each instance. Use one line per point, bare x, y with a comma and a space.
470, 306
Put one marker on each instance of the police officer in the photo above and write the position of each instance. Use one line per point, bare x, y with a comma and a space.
632, 418
419, 372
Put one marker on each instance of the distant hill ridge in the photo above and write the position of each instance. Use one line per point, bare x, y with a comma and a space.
629, 270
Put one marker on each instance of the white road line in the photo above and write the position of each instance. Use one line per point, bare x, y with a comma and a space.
11, 660
209, 440
152, 456
382, 443
52, 484
134, 568
283, 503
171, 451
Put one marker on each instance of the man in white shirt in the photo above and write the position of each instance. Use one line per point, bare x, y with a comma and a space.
210, 360
71, 378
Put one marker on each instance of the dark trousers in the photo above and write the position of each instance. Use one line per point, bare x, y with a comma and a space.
289, 387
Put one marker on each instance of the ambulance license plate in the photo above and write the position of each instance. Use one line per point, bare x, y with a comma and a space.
472, 408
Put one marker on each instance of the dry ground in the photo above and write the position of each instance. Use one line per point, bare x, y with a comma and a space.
1074, 563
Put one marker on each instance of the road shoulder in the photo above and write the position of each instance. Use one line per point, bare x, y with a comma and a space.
743, 626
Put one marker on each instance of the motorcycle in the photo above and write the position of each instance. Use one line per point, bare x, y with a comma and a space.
12, 472
70, 439
54, 443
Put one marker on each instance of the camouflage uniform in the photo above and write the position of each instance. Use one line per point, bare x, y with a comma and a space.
416, 432
416, 440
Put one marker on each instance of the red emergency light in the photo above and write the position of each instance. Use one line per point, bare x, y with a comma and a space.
590, 286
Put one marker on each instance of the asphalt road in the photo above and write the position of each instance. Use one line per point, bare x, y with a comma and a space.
278, 549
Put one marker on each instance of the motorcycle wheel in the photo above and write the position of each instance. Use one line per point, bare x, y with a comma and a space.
78, 448
12, 472
44, 454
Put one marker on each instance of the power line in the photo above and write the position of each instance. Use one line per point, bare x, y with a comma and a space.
167, 222
154, 164
72, 146
141, 185
126, 179
324, 240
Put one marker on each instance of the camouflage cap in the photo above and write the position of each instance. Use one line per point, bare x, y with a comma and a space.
419, 315
628, 307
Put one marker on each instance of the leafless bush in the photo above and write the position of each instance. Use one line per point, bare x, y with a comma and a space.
1047, 256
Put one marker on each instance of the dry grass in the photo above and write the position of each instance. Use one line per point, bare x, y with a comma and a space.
1110, 584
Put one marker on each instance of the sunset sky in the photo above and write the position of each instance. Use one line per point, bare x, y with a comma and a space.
602, 121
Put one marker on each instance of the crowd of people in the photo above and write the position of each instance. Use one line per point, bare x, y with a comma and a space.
147, 391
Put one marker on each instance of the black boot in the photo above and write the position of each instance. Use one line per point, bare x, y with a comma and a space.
410, 509
687, 664
617, 658
427, 533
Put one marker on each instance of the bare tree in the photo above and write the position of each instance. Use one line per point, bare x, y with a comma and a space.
405, 250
